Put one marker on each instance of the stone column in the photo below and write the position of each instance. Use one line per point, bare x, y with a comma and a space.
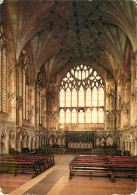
29, 143
19, 144
126, 145
32, 102
33, 143
135, 151
7, 145
37, 143
120, 147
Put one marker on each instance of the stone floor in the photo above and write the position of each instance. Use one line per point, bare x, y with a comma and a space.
55, 181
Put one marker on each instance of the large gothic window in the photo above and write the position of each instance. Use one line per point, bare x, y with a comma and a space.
82, 96
3, 74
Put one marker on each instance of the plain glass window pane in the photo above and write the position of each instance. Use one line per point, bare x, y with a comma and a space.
94, 97
81, 97
74, 98
88, 97
68, 116
88, 116
81, 117
101, 103
94, 103
83, 74
74, 116
94, 93
94, 116
101, 116
62, 104
62, 98
68, 98
101, 97
62, 116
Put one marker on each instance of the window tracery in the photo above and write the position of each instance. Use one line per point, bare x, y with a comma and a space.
82, 96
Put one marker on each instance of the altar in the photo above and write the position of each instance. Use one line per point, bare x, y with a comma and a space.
80, 139
80, 145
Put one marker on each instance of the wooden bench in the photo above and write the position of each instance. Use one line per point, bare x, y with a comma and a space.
91, 169
19, 167
21, 163
112, 166
123, 166
124, 170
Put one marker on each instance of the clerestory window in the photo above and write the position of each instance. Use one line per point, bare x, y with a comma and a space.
82, 96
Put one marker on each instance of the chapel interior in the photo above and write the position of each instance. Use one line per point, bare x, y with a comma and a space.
68, 77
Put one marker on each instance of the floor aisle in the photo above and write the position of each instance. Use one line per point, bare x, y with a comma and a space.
44, 186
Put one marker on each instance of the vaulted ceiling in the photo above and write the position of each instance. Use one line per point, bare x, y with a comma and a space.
62, 31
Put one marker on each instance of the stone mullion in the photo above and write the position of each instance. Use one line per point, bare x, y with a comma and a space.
84, 105
97, 105
71, 108
65, 109
91, 104
77, 106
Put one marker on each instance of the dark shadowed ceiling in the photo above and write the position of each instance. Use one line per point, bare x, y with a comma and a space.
62, 31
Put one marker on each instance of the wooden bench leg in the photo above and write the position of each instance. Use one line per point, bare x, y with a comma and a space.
90, 175
134, 178
112, 177
15, 173
70, 175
